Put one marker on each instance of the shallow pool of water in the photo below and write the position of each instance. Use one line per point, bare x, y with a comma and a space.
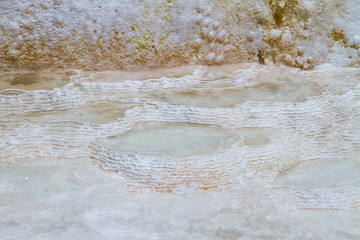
323, 174
98, 112
215, 98
35, 80
173, 139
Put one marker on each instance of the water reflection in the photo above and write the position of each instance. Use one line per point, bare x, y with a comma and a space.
34, 80
174, 139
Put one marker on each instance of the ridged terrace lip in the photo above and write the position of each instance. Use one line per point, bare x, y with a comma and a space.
258, 152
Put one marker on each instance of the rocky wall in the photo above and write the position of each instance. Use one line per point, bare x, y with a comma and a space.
138, 34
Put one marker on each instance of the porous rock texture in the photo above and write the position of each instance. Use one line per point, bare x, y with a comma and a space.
137, 34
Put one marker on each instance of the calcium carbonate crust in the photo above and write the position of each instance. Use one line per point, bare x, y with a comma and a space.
322, 127
137, 34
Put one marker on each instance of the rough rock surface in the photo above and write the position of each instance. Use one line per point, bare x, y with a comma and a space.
133, 34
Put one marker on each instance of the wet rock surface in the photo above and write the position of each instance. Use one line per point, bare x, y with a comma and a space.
229, 165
